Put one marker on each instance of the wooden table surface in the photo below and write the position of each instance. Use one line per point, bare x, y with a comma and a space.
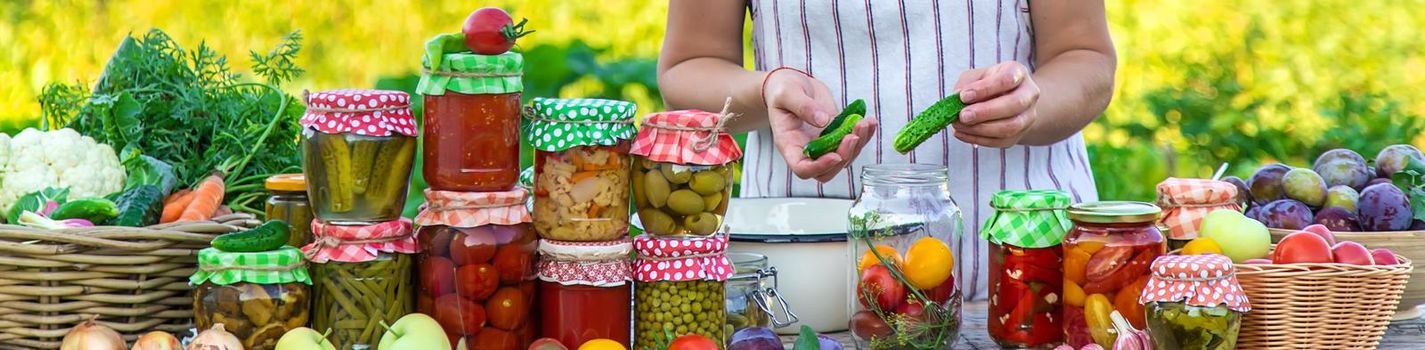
1408, 334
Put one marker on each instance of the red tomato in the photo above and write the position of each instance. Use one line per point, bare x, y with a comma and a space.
1302, 247
458, 316
436, 240
508, 308
476, 247
877, 283
437, 276
944, 291
477, 282
425, 304
490, 31
866, 325
911, 308
692, 342
515, 263
495, 339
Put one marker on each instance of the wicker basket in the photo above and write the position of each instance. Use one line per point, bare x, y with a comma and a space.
1319, 306
1410, 244
135, 279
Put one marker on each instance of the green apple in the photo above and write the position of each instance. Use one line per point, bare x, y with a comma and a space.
1241, 238
414, 332
303, 338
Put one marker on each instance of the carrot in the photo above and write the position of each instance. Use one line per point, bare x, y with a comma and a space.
206, 199
582, 175
173, 206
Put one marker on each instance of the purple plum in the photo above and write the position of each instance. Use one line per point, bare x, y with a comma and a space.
1393, 158
1344, 172
1266, 183
1286, 214
1378, 180
1244, 193
1305, 185
1338, 219
1384, 207
755, 338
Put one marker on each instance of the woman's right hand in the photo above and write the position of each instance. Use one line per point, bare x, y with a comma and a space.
798, 108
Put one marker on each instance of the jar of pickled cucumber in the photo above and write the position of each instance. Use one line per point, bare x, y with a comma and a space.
1194, 302
477, 267
1026, 281
472, 120
581, 167
679, 288
257, 296
682, 173
1107, 254
288, 203
584, 290
362, 278
358, 147
1186, 201
752, 296
904, 229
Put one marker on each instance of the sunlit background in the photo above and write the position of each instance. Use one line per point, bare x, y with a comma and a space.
1199, 82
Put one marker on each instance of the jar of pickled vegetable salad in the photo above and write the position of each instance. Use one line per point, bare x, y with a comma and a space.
581, 168
1194, 302
1106, 259
1026, 283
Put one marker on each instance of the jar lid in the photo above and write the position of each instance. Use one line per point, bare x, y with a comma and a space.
1202, 280
287, 182
681, 259
686, 137
359, 243
283, 265
1186, 201
599, 264
558, 124
1114, 212
1029, 219
470, 73
361, 112
472, 209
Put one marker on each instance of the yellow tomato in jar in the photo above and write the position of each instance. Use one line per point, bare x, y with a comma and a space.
928, 263
601, 344
887, 252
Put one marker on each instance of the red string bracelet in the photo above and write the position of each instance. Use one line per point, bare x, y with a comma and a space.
763, 91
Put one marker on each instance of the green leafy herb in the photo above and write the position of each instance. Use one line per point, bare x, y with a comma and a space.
807, 340
1411, 180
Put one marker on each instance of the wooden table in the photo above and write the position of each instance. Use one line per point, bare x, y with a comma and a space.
1408, 334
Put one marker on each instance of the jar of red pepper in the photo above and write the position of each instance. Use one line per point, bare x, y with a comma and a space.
1106, 260
585, 290
1026, 293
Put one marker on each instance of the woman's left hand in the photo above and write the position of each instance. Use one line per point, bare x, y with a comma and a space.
1000, 105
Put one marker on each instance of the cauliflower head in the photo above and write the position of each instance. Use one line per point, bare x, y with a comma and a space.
34, 160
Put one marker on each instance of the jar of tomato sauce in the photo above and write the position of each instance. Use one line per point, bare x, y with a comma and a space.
1026, 283
585, 291
1107, 256
581, 168
682, 173
472, 118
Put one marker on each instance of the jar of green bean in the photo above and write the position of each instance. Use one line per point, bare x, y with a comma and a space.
679, 288
362, 279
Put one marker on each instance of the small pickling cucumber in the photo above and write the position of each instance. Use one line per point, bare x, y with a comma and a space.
856, 107
92, 209
929, 122
268, 236
827, 143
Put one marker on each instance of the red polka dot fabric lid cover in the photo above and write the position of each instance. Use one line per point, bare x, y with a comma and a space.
1201, 280
361, 112
685, 137
681, 259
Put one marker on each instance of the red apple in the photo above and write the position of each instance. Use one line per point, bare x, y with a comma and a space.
1322, 231
877, 284
1257, 261
1384, 257
1302, 247
1348, 252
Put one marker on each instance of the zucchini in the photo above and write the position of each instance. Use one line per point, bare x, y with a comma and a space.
268, 236
92, 209
828, 143
856, 107
138, 207
929, 122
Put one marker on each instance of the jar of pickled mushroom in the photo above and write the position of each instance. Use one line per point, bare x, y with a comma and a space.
903, 229
477, 267
257, 296
584, 291
1186, 201
1026, 279
1106, 260
288, 203
752, 296
1194, 302
682, 173
472, 118
362, 278
679, 288
358, 147
581, 167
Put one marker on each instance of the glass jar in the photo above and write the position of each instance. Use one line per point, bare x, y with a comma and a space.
362, 279
1202, 312
472, 119
1186, 201
581, 168
906, 213
1026, 281
1106, 260
585, 291
679, 288
288, 203
477, 267
683, 173
357, 169
752, 297
257, 296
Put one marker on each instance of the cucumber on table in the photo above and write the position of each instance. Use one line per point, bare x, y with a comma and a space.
928, 123
829, 142
139, 206
92, 209
268, 236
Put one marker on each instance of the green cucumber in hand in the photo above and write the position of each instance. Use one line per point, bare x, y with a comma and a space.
856, 107
268, 236
928, 123
828, 142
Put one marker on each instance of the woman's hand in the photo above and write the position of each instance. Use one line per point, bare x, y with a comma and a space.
1001, 105
798, 108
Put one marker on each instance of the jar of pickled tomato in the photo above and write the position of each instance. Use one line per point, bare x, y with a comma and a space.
1026, 280
1106, 259
472, 118
581, 168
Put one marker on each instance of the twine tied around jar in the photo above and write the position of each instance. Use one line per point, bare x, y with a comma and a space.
453, 74
279, 268
333, 242
307, 102
701, 144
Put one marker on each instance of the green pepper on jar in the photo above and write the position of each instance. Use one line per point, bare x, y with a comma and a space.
682, 173
1194, 302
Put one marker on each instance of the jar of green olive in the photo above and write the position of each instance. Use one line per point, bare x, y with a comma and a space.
679, 288
682, 173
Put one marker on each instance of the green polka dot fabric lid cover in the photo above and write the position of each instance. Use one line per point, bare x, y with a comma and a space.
283, 265
559, 124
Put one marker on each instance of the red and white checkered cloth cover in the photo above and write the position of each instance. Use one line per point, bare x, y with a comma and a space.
661, 138
361, 112
474, 209
1201, 280
681, 259
1186, 201
342, 243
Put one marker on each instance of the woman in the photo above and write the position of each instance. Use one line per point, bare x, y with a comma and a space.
1032, 75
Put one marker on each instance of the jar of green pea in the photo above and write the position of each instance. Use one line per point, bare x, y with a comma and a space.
679, 289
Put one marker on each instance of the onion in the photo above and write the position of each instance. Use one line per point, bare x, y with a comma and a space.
157, 340
215, 338
92, 336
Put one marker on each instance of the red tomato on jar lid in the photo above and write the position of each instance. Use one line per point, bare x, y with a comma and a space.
491, 31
